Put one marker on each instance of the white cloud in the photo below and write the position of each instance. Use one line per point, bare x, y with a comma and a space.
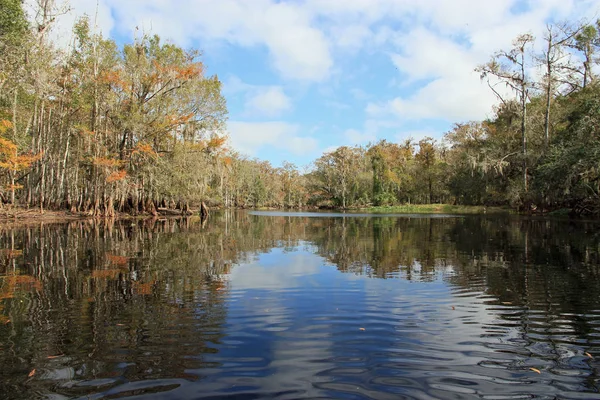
250, 137
234, 85
299, 35
350, 37
268, 101
446, 42
355, 137
337, 105
260, 101
297, 49
268, 273
359, 94
461, 98
426, 55
434, 44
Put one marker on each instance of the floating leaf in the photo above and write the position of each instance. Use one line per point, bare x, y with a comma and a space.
362, 329
32, 373
453, 308
53, 357
535, 370
589, 355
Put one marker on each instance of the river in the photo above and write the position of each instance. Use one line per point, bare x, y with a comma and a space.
250, 305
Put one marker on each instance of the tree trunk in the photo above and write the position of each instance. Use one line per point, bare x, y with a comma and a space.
524, 139
110, 207
203, 210
430, 189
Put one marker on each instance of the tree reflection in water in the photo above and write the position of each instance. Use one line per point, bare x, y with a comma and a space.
86, 306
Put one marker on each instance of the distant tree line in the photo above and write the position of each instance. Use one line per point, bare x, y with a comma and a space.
99, 128
541, 150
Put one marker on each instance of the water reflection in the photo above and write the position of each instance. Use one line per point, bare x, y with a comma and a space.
282, 306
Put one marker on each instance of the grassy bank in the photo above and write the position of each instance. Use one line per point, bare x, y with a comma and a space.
437, 209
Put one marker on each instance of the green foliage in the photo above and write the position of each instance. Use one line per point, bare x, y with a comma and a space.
570, 170
13, 21
134, 127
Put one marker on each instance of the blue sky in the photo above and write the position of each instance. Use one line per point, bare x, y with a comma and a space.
304, 76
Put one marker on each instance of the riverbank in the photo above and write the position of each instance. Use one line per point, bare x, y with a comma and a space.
18, 215
25, 216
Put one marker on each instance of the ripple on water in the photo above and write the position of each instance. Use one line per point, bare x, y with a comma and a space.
304, 316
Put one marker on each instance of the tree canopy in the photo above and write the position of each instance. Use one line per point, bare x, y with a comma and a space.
101, 128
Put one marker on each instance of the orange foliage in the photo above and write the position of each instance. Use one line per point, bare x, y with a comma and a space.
152, 79
13, 283
5, 125
14, 187
106, 273
113, 78
216, 142
107, 162
10, 253
9, 158
143, 288
116, 176
117, 260
84, 131
144, 148
178, 119
190, 71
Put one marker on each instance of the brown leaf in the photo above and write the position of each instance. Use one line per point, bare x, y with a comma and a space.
535, 370
589, 355
32, 373
453, 308
53, 357
362, 329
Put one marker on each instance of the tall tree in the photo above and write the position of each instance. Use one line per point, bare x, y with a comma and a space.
337, 173
554, 58
587, 42
510, 67
426, 160
391, 168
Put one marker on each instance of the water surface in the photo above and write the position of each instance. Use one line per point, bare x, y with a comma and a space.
259, 305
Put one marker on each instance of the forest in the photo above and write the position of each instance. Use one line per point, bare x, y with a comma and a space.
102, 129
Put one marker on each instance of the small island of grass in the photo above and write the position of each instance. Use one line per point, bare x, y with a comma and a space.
438, 209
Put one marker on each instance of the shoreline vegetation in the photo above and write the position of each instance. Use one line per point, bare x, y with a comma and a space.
21, 216
100, 129
439, 209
